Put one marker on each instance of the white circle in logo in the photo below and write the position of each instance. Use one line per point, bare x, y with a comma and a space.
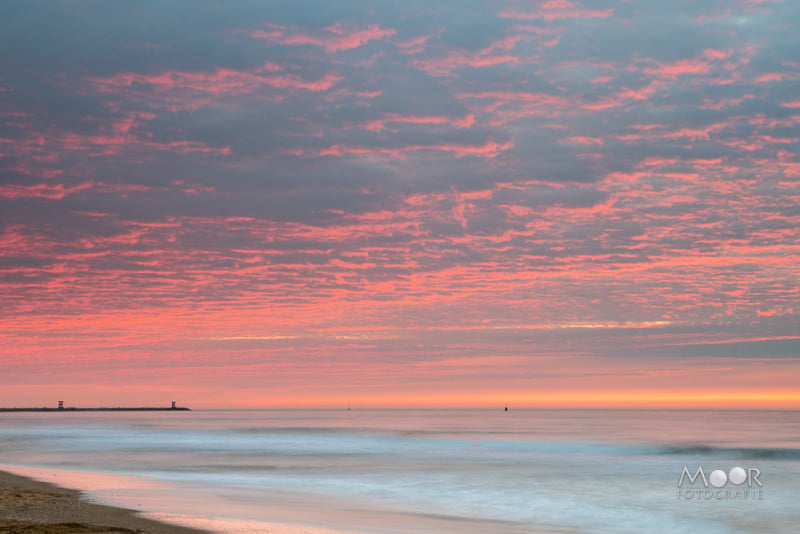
718, 478
737, 476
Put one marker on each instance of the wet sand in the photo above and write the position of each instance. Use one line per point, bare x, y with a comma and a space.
34, 506
31, 507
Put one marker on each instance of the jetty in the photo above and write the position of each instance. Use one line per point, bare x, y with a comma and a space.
62, 408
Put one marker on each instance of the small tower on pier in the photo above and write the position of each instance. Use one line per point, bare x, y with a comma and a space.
173, 406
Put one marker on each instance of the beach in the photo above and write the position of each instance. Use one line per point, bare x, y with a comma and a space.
30, 506
404, 471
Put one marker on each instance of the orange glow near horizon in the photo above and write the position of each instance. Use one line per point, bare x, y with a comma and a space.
597, 399
740, 400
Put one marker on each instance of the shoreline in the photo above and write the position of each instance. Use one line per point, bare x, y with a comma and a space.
33, 501
29, 506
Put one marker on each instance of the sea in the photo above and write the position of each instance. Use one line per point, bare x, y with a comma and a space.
428, 471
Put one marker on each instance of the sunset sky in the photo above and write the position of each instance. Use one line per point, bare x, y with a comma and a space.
400, 203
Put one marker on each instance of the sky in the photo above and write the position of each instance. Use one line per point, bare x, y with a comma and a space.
391, 203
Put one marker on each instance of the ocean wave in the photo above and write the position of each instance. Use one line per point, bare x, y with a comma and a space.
758, 453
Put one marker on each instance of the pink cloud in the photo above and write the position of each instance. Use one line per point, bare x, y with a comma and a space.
508, 106
192, 90
496, 53
443, 66
642, 93
558, 9
583, 140
761, 120
679, 68
219, 82
334, 38
380, 124
770, 77
694, 133
710, 53
723, 103
489, 149
109, 145
49, 191
624, 96
414, 46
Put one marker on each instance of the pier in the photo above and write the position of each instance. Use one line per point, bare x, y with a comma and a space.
62, 408
101, 409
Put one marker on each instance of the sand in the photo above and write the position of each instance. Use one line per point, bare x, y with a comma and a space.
34, 506
31, 507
